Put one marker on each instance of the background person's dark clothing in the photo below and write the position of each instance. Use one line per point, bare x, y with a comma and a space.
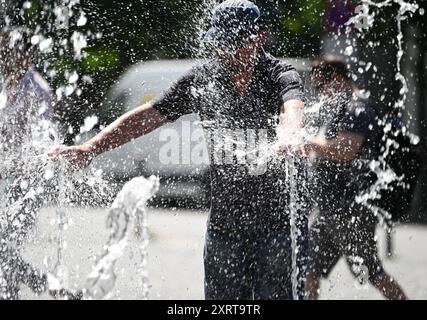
243, 205
344, 227
345, 232
339, 182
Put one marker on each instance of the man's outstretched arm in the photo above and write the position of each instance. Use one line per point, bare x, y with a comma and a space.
131, 125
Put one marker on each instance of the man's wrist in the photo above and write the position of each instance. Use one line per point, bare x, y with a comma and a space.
314, 145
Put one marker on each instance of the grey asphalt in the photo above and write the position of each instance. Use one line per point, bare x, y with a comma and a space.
175, 252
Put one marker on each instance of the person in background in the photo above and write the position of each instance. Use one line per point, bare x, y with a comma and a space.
346, 143
26, 109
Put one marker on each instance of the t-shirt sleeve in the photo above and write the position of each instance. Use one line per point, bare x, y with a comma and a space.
290, 83
178, 99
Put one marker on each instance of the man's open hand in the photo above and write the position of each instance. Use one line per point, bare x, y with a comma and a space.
296, 149
77, 157
290, 131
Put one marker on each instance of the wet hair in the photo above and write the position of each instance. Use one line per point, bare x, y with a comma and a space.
330, 66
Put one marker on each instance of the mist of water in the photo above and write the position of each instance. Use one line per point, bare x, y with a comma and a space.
128, 208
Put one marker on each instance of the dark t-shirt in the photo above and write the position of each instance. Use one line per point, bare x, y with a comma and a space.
339, 182
237, 130
208, 91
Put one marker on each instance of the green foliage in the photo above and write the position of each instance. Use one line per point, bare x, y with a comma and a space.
100, 59
304, 15
301, 26
32, 11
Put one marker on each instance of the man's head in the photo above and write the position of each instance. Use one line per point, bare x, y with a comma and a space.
236, 32
330, 75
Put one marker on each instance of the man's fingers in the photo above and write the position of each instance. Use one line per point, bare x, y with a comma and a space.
55, 153
64, 153
280, 149
74, 157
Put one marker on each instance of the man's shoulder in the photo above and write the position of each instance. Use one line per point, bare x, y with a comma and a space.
275, 65
200, 70
278, 70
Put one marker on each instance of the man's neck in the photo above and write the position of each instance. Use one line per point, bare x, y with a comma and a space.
241, 80
242, 76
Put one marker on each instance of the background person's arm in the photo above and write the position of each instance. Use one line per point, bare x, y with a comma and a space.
344, 147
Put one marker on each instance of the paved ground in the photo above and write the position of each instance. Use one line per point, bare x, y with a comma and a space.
175, 256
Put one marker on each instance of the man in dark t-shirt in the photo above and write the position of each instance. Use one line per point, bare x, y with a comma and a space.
246, 206
342, 151
242, 95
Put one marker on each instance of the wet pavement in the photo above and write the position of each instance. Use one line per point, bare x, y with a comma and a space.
175, 251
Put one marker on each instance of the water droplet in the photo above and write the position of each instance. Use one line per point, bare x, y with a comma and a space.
48, 174
82, 20
46, 45
73, 77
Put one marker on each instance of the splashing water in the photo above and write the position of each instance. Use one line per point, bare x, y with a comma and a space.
129, 205
45, 182
298, 222
406, 10
28, 180
385, 174
32, 181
